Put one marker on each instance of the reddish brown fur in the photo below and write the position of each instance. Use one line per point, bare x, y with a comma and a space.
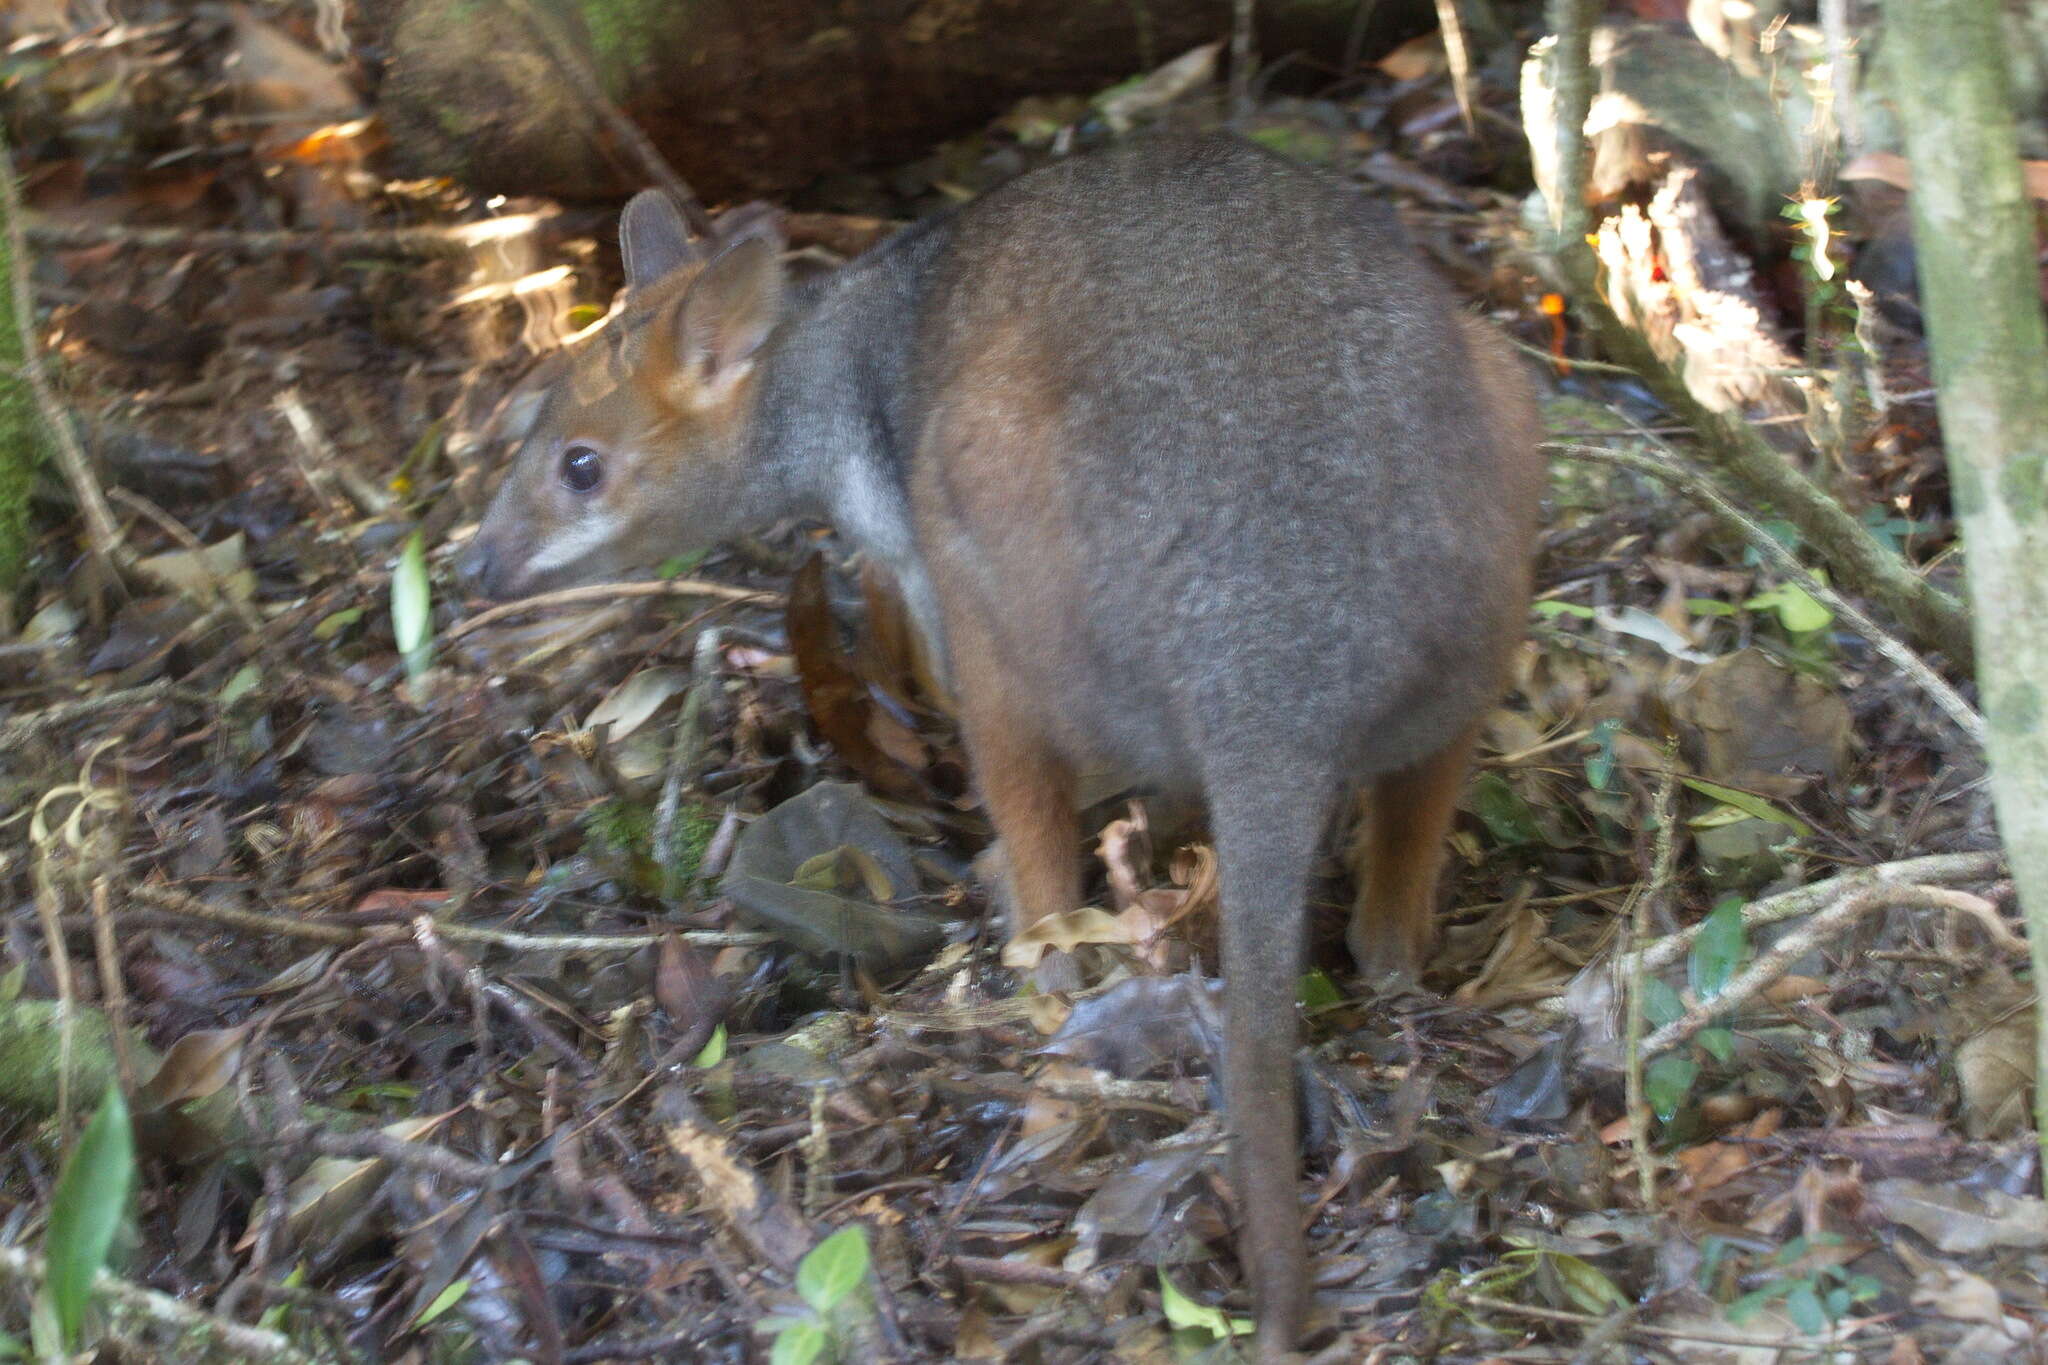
1177, 453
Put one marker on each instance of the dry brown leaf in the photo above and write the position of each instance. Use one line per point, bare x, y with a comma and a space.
1063, 933
837, 700
197, 1065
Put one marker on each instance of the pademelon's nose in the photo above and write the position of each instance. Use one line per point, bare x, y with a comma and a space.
473, 567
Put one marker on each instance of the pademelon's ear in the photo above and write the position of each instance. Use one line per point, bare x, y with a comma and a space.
653, 238
749, 221
729, 310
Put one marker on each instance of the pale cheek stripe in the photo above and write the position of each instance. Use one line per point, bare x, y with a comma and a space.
571, 545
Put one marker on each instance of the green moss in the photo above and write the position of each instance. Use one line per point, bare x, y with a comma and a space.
626, 36
624, 830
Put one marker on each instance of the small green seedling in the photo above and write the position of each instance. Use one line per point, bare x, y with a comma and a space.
1816, 1299
86, 1211
832, 1282
412, 608
1183, 1314
1718, 950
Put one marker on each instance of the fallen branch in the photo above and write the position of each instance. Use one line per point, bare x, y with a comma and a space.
1940, 869
102, 534
576, 72
1754, 979
1738, 522
1933, 618
132, 1309
57, 714
170, 900
454, 240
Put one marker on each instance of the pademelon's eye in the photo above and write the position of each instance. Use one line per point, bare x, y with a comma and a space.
582, 469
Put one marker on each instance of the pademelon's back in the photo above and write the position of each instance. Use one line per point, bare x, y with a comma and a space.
1278, 474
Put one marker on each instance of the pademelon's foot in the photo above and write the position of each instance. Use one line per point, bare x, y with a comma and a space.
1385, 963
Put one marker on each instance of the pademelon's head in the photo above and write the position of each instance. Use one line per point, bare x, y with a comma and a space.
639, 448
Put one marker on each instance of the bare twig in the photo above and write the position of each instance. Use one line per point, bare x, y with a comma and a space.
113, 989
1662, 864
1458, 55
1571, 77
605, 592
322, 465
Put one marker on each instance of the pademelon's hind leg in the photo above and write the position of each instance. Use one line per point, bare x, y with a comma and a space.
1397, 855
1026, 785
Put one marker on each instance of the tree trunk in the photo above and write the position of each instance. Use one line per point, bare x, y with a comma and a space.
758, 97
1973, 231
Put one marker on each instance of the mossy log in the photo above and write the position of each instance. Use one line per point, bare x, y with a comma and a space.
758, 97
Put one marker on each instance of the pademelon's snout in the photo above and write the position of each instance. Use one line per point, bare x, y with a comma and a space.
477, 569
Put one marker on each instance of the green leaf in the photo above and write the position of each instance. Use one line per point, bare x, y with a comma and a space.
800, 1343
1666, 1083
11, 982
1803, 1306
1183, 1312
1718, 1041
92, 1195
713, 1051
1586, 1285
1550, 607
1709, 606
412, 614
1661, 1004
675, 566
1600, 764
444, 1301
335, 623
833, 1268
1718, 949
1317, 991
1754, 1302
1863, 1288
1791, 1251
1748, 804
1505, 814
273, 1318
1797, 609
246, 677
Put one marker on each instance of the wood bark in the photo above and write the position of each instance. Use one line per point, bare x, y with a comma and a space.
759, 97
1973, 231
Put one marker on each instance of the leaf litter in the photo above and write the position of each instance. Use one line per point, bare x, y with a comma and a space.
422, 1005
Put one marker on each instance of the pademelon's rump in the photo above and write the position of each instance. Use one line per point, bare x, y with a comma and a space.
1184, 459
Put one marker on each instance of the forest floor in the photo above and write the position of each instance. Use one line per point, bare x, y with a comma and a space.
549, 989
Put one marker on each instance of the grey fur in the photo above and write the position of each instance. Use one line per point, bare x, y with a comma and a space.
1294, 499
